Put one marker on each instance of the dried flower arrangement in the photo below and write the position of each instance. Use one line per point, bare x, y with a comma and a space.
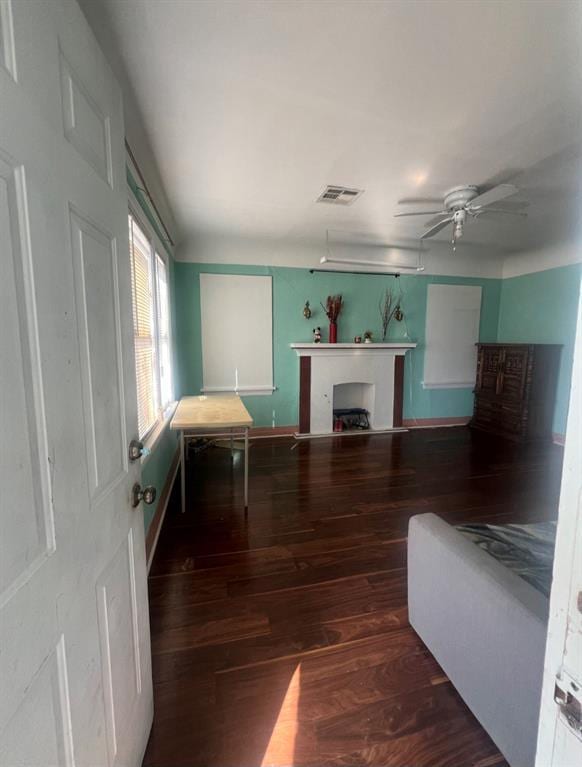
333, 307
390, 308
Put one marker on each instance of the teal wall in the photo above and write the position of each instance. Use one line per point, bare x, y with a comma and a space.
361, 292
542, 308
156, 466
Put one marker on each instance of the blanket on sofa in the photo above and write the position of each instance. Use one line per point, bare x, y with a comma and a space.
528, 550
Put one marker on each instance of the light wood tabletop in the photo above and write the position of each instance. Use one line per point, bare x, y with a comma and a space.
212, 416
213, 411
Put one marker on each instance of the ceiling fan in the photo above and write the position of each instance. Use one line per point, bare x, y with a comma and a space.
462, 203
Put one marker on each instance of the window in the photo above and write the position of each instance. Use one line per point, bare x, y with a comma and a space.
453, 314
151, 328
237, 333
163, 303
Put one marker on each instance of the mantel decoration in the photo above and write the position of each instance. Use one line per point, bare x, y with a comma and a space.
307, 311
390, 309
332, 308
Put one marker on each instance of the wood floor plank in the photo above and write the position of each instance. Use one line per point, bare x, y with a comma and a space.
282, 638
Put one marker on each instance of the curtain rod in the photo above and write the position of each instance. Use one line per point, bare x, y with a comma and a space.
148, 193
349, 271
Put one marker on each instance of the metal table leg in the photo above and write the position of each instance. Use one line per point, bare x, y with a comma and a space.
183, 470
246, 468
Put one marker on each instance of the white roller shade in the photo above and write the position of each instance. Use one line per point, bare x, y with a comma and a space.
453, 314
237, 333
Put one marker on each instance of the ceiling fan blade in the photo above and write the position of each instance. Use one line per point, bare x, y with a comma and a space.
423, 213
513, 204
437, 228
502, 210
499, 192
438, 218
421, 201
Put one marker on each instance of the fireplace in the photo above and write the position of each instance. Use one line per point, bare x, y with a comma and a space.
349, 399
367, 376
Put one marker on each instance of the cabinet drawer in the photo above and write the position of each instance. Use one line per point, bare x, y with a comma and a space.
511, 419
486, 413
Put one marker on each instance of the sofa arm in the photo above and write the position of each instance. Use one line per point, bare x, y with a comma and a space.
486, 627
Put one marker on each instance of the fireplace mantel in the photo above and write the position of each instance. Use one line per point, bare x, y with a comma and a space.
311, 349
323, 366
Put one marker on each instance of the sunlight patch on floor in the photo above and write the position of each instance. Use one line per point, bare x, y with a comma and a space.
281, 746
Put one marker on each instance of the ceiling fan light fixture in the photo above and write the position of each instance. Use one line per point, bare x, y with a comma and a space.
460, 204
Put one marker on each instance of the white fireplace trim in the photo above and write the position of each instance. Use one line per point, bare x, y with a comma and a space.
333, 364
313, 350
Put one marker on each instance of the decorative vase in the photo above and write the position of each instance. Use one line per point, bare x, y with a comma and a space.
333, 332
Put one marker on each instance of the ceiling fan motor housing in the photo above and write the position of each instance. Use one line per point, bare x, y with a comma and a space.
459, 196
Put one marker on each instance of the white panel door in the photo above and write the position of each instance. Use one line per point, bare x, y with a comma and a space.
75, 664
560, 735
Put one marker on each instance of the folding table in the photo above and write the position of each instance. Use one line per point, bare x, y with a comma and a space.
216, 415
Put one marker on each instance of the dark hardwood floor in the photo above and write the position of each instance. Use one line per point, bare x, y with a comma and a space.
283, 639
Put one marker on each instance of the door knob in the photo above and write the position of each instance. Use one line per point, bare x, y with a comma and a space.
147, 494
136, 450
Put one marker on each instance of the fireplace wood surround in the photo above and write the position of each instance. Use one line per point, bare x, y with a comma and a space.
380, 366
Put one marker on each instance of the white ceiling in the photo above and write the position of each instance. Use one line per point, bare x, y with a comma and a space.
252, 107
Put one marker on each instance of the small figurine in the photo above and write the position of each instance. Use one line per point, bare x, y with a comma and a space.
358, 340
307, 311
316, 335
368, 337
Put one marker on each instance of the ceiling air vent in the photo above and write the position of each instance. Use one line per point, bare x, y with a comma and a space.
339, 195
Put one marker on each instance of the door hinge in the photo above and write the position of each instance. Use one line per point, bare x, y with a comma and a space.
568, 696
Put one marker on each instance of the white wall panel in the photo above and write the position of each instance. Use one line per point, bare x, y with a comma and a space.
237, 332
453, 314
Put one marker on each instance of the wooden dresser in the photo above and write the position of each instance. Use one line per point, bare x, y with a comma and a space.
515, 391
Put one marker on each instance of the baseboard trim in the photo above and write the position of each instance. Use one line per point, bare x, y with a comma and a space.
433, 423
352, 433
559, 439
260, 432
155, 527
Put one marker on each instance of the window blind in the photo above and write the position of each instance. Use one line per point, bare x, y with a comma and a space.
453, 314
163, 310
237, 333
143, 327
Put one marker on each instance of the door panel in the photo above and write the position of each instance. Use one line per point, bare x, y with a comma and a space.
7, 59
488, 370
72, 549
27, 521
46, 716
120, 642
97, 303
84, 125
514, 372
559, 739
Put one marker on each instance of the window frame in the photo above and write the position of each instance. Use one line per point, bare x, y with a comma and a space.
164, 411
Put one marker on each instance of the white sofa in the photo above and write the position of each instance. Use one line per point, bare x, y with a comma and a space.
485, 626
